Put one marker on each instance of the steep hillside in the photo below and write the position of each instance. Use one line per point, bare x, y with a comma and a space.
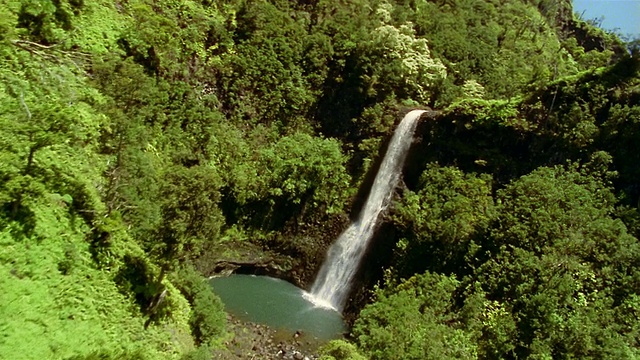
144, 143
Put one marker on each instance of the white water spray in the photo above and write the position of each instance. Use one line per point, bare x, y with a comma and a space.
333, 283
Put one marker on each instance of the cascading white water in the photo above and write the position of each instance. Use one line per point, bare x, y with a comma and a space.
333, 283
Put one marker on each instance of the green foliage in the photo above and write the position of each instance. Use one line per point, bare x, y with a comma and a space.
442, 221
163, 35
190, 215
556, 246
200, 353
47, 21
49, 130
485, 112
97, 28
340, 350
549, 203
550, 276
110, 355
399, 61
207, 318
481, 41
133, 134
71, 313
298, 176
263, 81
414, 320
299, 166
57, 228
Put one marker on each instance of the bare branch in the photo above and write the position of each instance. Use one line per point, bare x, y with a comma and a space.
26, 108
50, 52
21, 43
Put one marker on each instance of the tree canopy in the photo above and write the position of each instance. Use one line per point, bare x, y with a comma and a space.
143, 141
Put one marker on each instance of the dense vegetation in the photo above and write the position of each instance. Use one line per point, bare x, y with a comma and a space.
144, 140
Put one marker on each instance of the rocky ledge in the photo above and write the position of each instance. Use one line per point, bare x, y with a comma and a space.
256, 341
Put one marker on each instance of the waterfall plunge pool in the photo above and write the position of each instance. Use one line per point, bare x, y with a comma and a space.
278, 304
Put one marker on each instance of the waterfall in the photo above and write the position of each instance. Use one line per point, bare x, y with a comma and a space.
333, 283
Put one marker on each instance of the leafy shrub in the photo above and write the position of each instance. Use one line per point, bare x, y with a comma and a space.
415, 320
200, 353
340, 350
208, 318
110, 355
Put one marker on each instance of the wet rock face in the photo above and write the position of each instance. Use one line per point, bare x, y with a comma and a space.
294, 255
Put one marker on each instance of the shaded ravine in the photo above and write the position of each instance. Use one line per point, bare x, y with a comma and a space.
333, 283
